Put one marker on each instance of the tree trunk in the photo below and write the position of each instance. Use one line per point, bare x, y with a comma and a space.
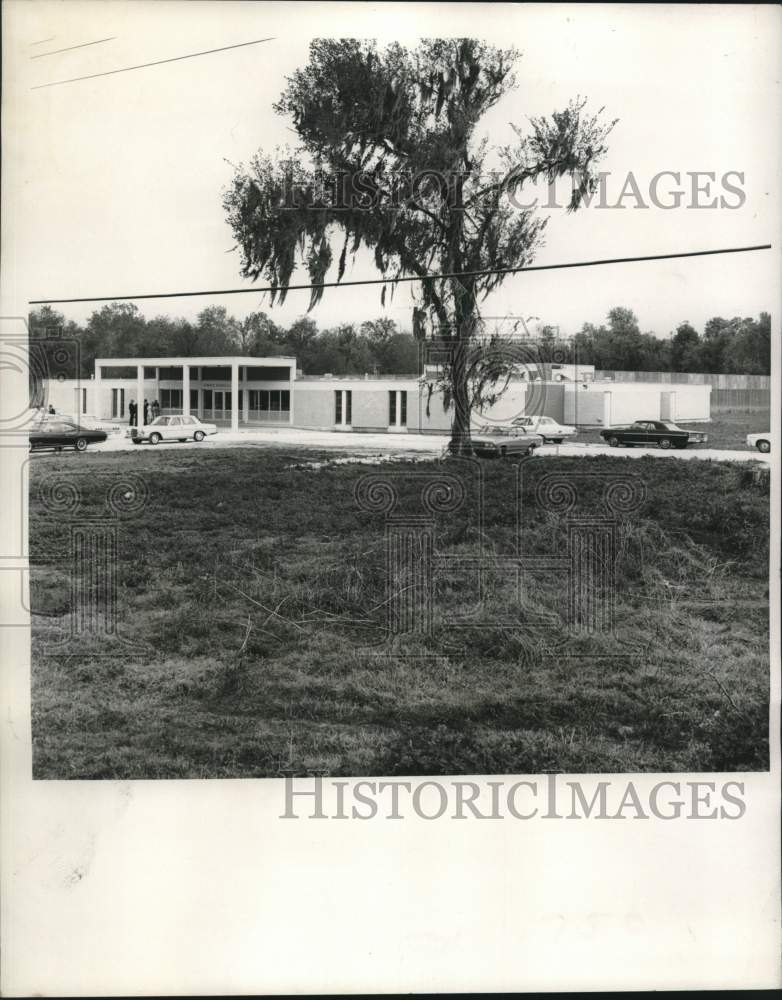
460, 427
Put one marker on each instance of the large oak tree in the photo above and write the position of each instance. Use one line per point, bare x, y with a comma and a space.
390, 159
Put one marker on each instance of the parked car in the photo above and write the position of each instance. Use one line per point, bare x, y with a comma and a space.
503, 442
172, 429
547, 427
664, 433
760, 441
57, 432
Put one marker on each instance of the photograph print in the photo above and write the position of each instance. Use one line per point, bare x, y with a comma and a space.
399, 405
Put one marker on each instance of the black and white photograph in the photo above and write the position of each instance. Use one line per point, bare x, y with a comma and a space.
395, 400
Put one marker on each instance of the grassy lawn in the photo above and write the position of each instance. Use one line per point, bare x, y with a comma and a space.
727, 429
256, 593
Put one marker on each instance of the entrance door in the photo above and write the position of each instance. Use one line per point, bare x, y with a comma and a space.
218, 404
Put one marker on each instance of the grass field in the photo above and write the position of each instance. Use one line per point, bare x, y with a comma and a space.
260, 591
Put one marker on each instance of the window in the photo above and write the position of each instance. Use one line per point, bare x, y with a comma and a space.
285, 400
267, 373
194, 399
175, 422
343, 407
84, 400
397, 408
117, 402
171, 399
216, 373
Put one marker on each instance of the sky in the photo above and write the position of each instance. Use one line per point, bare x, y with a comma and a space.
113, 186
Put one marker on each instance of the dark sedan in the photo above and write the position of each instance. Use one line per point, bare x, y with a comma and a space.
57, 433
663, 433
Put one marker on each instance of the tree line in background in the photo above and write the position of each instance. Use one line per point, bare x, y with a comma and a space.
734, 346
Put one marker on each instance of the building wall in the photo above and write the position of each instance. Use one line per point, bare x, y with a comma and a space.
313, 401
313, 406
582, 407
370, 409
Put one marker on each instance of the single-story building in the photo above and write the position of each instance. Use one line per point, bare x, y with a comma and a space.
240, 393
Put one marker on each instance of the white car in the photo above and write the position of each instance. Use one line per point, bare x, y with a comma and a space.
547, 427
172, 429
760, 441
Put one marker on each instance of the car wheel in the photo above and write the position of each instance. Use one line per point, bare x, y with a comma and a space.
764, 446
136, 440
665, 443
80, 444
154, 439
198, 436
613, 442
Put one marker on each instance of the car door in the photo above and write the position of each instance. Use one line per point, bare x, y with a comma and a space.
655, 431
57, 434
174, 430
639, 432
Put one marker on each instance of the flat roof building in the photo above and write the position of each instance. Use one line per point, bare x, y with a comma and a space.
238, 392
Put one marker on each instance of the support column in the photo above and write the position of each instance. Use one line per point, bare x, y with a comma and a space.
185, 390
245, 399
96, 389
606, 409
140, 395
157, 383
234, 396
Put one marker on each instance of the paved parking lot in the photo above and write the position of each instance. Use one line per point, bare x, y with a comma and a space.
406, 445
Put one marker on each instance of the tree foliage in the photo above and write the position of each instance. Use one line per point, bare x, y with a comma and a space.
389, 159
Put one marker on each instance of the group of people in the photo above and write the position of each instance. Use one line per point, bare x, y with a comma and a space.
150, 411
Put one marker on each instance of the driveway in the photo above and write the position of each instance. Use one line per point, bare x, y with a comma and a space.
409, 445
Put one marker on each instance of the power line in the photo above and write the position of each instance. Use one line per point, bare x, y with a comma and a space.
70, 48
406, 278
42, 40
159, 62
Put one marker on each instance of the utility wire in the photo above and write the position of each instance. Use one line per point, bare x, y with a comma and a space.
159, 62
70, 48
406, 278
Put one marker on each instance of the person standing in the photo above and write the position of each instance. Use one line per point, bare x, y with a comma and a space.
132, 413
155, 410
146, 411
